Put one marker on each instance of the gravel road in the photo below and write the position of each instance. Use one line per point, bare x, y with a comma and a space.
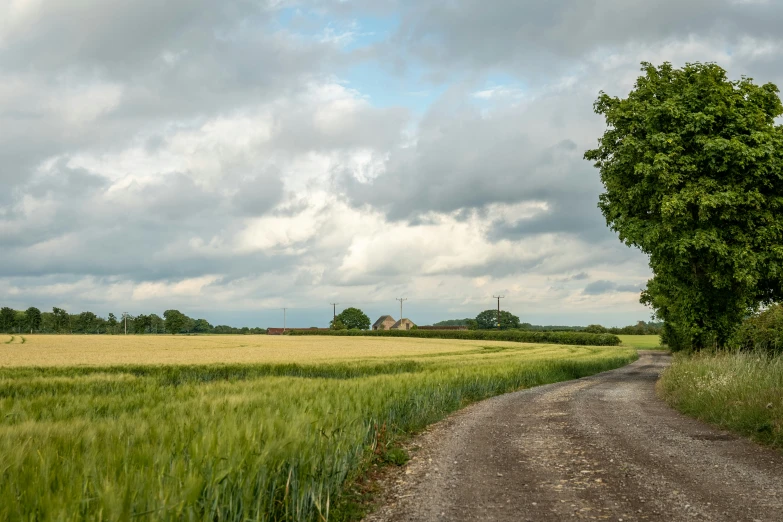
599, 448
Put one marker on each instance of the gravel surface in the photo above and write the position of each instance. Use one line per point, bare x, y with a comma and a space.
599, 448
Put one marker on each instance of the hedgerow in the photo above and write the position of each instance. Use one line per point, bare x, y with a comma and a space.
570, 338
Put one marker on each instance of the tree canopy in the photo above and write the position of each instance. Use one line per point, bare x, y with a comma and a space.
33, 317
175, 321
488, 320
692, 165
353, 318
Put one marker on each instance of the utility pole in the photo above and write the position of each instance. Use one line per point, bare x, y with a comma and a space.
284, 309
125, 316
400, 299
498, 297
334, 311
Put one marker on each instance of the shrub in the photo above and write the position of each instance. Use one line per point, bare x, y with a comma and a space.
763, 331
595, 328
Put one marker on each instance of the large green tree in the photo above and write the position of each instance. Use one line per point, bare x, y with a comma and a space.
353, 318
34, 318
175, 321
488, 320
61, 320
202, 326
7, 318
692, 164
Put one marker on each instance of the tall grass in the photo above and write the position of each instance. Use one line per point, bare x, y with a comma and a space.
522, 336
738, 391
234, 442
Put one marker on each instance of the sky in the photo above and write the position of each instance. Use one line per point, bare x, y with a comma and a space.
232, 158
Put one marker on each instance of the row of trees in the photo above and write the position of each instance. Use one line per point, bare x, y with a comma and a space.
488, 320
355, 319
60, 321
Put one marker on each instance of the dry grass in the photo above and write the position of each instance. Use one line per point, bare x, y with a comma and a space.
104, 350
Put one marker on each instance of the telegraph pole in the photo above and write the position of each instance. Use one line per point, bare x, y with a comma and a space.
284, 309
334, 311
400, 299
125, 315
498, 297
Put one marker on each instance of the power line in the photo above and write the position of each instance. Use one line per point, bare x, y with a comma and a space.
498, 297
400, 299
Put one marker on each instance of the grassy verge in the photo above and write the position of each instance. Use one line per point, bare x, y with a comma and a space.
237, 442
741, 392
522, 336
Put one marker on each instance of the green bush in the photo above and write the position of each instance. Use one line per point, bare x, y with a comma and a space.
521, 336
763, 331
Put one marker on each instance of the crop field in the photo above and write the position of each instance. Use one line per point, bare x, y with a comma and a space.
233, 427
642, 342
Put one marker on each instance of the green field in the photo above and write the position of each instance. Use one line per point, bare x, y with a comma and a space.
274, 435
642, 342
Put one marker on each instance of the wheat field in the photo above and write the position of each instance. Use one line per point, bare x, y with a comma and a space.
233, 428
102, 350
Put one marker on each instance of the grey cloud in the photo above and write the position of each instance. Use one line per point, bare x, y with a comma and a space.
531, 35
600, 287
257, 194
164, 60
463, 159
606, 287
114, 33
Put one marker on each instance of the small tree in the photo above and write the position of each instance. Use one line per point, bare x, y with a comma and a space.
112, 323
337, 324
692, 164
353, 318
488, 320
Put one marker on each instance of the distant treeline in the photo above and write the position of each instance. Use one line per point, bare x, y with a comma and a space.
60, 321
570, 338
640, 328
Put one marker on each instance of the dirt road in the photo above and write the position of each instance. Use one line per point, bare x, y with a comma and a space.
599, 448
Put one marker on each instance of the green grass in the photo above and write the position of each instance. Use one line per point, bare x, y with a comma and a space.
236, 442
642, 342
741, 392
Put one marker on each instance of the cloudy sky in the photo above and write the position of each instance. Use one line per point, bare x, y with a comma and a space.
231, 158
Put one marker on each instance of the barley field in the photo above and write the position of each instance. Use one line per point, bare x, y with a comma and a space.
642, 342
233, 428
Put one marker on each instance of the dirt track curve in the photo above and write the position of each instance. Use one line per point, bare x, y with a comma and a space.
599, 448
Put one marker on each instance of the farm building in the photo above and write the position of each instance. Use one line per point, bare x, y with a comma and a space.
384, 322
403, 324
